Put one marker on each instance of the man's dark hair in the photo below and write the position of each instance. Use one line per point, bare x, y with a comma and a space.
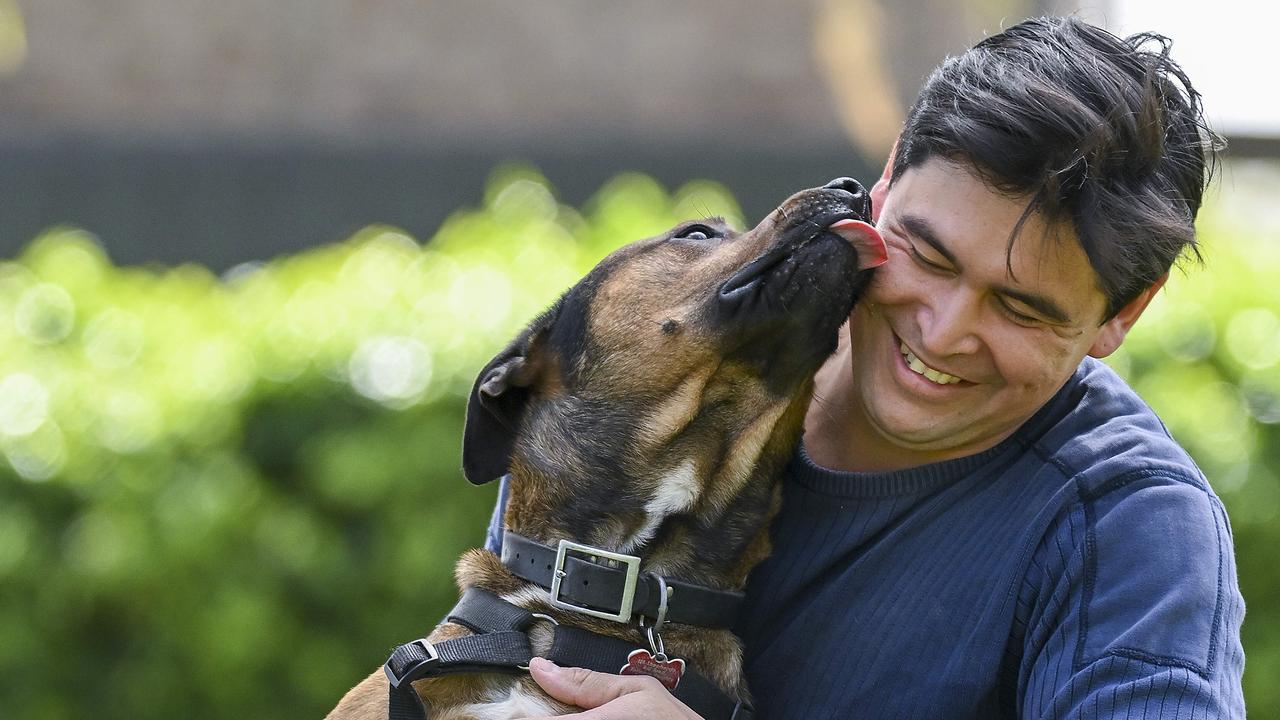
1103, 131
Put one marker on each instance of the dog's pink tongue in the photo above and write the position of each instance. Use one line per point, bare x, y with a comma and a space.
865, 239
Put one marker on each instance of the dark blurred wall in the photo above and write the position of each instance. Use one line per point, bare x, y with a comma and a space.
222, 132
225, 203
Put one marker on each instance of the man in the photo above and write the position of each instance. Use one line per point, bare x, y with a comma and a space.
983, 520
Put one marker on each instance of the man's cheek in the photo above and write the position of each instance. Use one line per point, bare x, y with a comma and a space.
891, 281
1039, 370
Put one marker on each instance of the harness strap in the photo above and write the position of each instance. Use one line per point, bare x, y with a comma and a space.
502, 646
502, 652
599, 586
480, 611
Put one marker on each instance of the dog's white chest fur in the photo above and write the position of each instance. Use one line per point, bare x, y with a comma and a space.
676, 492
520, 703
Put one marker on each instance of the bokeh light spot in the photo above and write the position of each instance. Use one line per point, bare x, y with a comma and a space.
479, 299
113, 339
24, 404
38, 456
45, 314
220, 370
394, 371
1253, 338
524, 200
128, 421
377, 265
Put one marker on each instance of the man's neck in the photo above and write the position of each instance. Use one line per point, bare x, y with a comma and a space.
835, 431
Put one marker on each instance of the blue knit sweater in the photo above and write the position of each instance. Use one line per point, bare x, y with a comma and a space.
1082, 568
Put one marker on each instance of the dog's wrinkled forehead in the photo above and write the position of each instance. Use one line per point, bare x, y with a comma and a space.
571, 336
650, 303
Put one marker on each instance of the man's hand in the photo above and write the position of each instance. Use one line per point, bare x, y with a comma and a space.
607, 697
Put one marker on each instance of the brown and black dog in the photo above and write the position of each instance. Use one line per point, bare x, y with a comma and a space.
650, 412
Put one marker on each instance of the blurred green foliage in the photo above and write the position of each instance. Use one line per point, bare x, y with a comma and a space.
230, 497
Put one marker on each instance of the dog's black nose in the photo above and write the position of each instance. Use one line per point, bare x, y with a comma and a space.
844, 183
861, 202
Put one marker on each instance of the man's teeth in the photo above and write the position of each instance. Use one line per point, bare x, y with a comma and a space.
917, 366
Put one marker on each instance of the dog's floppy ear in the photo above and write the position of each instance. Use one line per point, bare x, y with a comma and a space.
497, 404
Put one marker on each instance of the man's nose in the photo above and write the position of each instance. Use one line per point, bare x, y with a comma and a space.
951, 326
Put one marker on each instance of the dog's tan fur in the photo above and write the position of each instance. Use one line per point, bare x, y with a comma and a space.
680, 402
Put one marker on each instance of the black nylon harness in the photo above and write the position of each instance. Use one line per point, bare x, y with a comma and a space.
501, 641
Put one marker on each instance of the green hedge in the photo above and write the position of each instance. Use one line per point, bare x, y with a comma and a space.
230, 496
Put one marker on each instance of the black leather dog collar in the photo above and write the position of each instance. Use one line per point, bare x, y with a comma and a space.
588, 585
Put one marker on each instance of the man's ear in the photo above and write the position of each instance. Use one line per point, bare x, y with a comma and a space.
1114, 330
881, 188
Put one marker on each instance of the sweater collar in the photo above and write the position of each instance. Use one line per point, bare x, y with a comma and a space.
919, 479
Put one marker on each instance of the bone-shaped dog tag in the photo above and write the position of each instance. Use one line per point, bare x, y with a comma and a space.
643, 662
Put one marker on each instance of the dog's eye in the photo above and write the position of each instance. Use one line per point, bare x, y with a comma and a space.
697, 232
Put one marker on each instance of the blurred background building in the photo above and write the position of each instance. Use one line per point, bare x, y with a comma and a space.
222, 132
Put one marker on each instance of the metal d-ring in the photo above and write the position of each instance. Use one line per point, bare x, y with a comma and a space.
539, 616
548, 618
654, 632
663, 592
656, 647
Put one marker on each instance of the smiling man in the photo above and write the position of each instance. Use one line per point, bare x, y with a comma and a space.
983, 520
959, 342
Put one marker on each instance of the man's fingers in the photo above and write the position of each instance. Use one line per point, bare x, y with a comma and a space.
607, 697
585, 688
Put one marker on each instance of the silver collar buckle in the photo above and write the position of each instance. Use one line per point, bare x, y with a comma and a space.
631, 562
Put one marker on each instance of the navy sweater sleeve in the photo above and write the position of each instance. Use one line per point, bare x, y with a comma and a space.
1130, 607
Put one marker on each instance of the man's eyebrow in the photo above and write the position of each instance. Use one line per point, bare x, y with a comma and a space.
1041, 304
918, 227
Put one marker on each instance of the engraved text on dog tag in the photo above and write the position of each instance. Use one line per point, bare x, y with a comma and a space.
643, 662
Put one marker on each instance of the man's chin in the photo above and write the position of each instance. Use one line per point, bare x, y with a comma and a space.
911, 434
927, 436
